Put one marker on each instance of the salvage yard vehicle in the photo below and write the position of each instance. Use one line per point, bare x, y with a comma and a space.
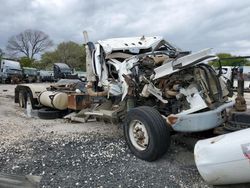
232, 74
10, 71
29, 74
150, 86
23, 92
154, 88
62, 71
35, 93
45, 76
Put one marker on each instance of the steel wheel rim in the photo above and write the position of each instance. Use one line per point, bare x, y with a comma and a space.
138, 135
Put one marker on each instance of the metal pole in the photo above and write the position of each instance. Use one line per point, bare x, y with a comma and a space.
241, 82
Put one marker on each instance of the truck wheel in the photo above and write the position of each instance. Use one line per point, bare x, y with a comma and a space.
146, 133
21, 99
23, 96
47, 113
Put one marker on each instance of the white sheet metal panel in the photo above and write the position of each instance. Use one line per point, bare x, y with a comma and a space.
168, 68
133, 44
98, 66
37, 88
189, 59
224, 159
89, 66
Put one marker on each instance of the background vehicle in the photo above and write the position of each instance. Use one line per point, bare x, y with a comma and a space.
81, 75
32, 92
45, 76
10, 71
30, 74
62, 70
232, 74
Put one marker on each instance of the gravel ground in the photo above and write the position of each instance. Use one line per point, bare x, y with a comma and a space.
83, 155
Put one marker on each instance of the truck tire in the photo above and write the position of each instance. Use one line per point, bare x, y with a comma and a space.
146, 133
23, 95
48, 113
21, 99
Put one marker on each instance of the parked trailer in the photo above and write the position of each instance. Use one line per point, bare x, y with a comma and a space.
47, 94
31, 91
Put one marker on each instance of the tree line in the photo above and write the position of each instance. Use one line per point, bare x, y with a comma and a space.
226, 59
27, 46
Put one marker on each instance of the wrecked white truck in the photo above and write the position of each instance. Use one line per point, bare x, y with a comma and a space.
154, 88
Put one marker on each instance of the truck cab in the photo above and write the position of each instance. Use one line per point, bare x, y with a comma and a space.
157, 89
62, 71
10, 71
45, 76
30, 74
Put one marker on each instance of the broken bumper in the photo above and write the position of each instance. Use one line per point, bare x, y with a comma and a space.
201, 121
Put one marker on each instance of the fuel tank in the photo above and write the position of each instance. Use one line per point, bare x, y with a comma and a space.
53, 99
224, 159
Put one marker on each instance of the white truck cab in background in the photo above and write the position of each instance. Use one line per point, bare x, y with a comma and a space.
10, 71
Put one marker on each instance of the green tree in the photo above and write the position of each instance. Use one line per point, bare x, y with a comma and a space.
47, 60
70, 53
26, 62
229, 62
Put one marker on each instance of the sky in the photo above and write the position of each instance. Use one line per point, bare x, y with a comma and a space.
223, 25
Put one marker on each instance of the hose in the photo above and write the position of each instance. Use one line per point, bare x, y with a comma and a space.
93, 93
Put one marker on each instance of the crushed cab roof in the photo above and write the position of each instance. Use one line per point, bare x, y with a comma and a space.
133, 44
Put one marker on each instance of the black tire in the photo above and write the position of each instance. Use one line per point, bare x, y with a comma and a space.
48, 113
32, 100
157, 130
21, 99
23, 96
